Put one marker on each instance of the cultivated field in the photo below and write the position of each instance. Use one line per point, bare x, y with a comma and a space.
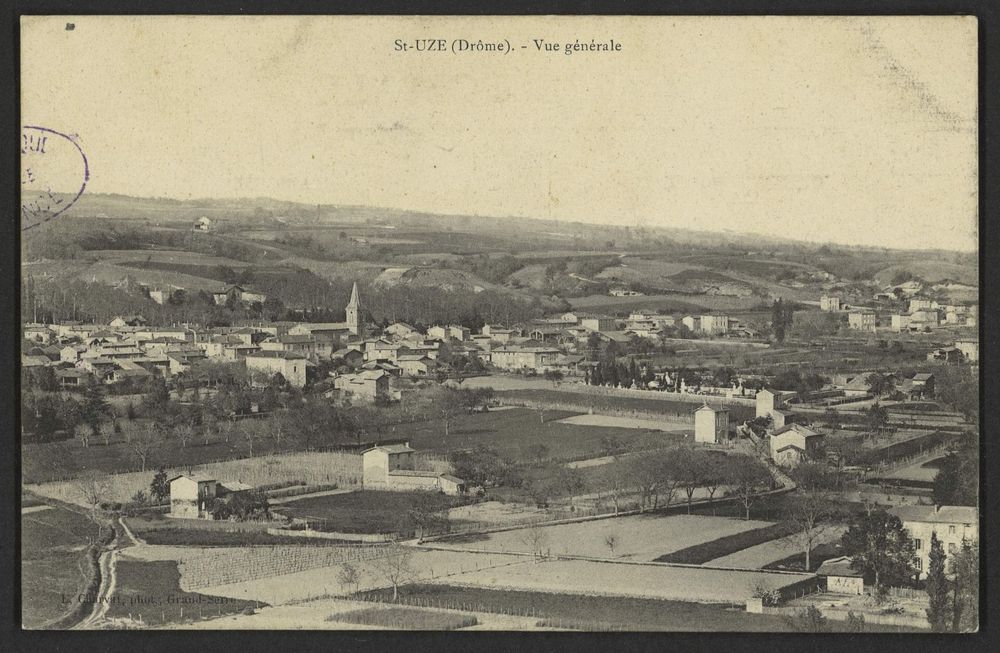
315, 468
326, 581
628, 422
517, 431
761, 555
619, 579
638, 537
368, 511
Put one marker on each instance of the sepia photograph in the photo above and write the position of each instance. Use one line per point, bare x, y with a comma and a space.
503, 323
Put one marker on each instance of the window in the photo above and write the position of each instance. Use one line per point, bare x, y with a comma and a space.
920, 564
917, 544
951, 530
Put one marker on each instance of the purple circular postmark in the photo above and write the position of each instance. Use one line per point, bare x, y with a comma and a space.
54, 174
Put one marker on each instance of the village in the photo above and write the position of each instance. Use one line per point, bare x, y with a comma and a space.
395, 493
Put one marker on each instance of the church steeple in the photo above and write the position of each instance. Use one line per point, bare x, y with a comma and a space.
353, 311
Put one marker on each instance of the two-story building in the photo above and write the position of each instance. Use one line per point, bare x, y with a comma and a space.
951, 524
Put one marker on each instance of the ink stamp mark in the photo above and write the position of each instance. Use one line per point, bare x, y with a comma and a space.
54, 174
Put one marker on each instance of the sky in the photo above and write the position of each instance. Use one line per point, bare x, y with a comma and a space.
853, 130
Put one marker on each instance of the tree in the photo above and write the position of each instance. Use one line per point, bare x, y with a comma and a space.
855, 622
535, 537
880, 547
692, 470
395, 567
555, 376
878, 418
965, 602
349, 577
957, 480
832, 419
748, 478
880, 384
159, 488
95, 488
184, 433
108, 430
144, 441
611, 541
811, 508
939, 612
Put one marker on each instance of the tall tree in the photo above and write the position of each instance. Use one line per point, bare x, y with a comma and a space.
812, 508
748, 478
965, 593
939, 611
879, 545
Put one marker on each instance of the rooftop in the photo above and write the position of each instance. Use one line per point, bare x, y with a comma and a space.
937, 514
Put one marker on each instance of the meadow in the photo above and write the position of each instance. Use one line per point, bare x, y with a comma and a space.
637, 537
54, 569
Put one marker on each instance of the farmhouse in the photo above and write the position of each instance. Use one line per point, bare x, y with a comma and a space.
304, 345
351, 357
900, 322
368, 384
840, 578
416, 364
969, 349
711, 425
951, 524
533, 358
192, 495
391, 467
237, 294
714, 324
793, 444
861, 320
829, 303
290, 365
769, 401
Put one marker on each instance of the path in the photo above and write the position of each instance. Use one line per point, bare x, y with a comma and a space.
30, 509
109, 579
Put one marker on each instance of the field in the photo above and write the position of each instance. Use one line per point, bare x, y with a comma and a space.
618, 579
325, 581
593, 612
728, 544
53, 562
316, 468
177, 532
514, 432
63, 459
638, 537
404, 618
658, 403
151, 592
368, 511
627, 422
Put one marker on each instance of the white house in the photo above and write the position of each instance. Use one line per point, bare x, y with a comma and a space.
711, 425
391, 467
829, 303
769, 401
969, 348
292, 366
861, 320
951, 524
794, 443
